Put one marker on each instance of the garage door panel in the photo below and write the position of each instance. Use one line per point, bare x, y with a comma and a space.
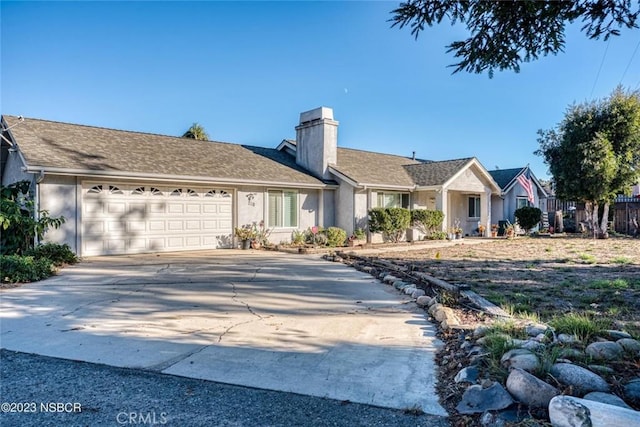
156, 225
137, 219
176, 208
116, 207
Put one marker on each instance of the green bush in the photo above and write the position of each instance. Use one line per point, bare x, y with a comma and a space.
335, 236
391, 222
437, 235
528, 217
427, 221
58, 254
16, 268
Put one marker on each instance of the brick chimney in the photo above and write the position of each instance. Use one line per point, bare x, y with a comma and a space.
317, 141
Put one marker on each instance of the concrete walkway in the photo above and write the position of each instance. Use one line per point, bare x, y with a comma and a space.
279, 322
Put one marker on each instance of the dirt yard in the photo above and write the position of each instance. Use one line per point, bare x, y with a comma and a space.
547, 276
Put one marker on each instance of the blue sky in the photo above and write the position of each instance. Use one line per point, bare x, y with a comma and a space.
245, 70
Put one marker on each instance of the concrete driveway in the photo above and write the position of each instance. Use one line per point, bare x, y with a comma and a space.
280, 322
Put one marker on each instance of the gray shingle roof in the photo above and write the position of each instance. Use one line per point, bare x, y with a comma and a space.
505, 176
436, 173
366, 167
77, 147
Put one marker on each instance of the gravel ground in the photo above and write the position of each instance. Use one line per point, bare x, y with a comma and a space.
99, 395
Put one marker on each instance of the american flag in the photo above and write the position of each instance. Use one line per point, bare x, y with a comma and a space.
525, 182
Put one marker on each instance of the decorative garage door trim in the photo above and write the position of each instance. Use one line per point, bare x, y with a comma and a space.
135, 218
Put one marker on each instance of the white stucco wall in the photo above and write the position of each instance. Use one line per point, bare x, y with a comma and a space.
344, 202
13, 170
59, 196
251, 206
470, 183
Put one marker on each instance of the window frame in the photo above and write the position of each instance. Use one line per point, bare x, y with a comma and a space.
280, 223
477, 206
402, 195
521, 198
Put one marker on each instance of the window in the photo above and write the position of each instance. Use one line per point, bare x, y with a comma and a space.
283, 209
521, 202
474, 207
96, 189
155, 192
115, 190
192, 193
393, 200
176, 192
138, 191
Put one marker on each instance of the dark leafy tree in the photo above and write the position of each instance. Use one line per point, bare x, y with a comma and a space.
528, 217
503, 34
196, 131
594, 153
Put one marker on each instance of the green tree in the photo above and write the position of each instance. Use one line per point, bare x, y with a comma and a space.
503, 34
528, 217
594, 153
196, 131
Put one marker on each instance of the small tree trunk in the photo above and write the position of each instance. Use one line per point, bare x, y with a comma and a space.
594, 219
604, 223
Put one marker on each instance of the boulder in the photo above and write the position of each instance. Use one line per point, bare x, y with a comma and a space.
532, 345
477, 399
608, 398
529, 389
632, 392
435, 307
630, 345
520, 358
582, 380
389, 279
569, 411
480, 331
570, 353
604, 350
409, 289
567, 339
400, 284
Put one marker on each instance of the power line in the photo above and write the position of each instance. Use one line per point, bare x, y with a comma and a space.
600, 69
630, 61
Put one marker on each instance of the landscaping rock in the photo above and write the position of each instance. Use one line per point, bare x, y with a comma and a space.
536, 329
469, 374
520, 358
616, 335
605, 350
608, 398
435, 307
483, 340
632, 391
480, 331
504, 417
476, 399
450, 321
542, 338
400, 284
532, 345
601, 369
418, 293
567, 339
568, 411
582, 380
409, 289
530, 390
630, 345
389, 279
570, 353
423, 301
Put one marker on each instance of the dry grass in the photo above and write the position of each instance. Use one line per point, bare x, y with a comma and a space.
546, 276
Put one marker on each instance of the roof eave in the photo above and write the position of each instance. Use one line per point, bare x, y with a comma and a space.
171, 178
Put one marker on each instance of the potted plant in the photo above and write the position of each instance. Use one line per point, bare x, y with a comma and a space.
481, 229
457, 230
509, 230
494, 230
246, 234
357, 238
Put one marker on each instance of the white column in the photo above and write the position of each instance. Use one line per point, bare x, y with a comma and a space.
320, 220
442, 205
485, 210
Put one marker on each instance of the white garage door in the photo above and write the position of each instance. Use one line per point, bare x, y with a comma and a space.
124, 219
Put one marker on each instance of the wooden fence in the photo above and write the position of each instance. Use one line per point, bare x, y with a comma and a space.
626, 217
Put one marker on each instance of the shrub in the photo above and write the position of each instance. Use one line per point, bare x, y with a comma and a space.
16, 268
335, 236
17, 212
391, 222
528, 217
437, 235
427, 221
58, 254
